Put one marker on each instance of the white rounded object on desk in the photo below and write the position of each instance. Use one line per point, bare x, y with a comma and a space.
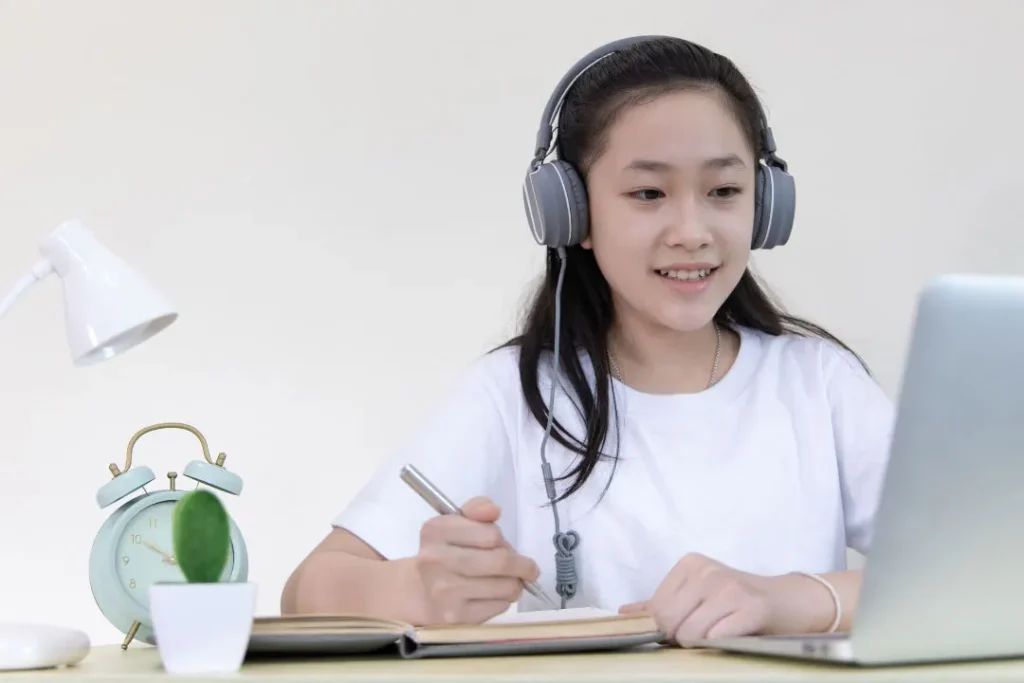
40, 646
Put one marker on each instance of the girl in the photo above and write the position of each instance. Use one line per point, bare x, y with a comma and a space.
712, 458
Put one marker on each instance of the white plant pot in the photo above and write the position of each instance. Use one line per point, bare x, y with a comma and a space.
202, 627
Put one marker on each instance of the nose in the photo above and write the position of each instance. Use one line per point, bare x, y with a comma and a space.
687, 226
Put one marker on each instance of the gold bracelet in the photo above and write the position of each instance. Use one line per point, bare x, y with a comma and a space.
835, 599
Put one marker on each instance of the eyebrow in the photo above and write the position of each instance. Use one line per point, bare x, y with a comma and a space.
655, 166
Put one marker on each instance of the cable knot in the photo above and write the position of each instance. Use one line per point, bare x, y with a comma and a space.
566, 580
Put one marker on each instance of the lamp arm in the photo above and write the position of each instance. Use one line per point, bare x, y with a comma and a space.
40, 270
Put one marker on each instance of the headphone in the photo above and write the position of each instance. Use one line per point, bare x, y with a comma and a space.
555, 197
556, 205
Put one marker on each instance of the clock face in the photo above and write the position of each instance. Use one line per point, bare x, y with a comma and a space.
145, 552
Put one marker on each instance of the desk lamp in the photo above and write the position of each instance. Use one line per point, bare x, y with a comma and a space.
108, 308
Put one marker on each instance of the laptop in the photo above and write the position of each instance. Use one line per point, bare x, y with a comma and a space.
944, 577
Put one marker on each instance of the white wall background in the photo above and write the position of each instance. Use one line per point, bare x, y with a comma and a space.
330, 193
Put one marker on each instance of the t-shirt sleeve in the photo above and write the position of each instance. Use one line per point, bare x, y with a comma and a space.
463, 447
862, 418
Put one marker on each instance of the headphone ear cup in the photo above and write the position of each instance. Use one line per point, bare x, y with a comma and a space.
774, 207
556, 205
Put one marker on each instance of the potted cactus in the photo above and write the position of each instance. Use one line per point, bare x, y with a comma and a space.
202, 625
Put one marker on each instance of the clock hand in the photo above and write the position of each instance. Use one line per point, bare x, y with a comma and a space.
168, 559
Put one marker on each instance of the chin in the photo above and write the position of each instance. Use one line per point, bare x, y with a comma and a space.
688, 325
687, 316
691, 319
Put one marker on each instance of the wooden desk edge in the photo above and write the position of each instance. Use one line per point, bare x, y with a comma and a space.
142, 663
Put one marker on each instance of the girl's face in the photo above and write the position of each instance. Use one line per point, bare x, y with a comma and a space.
672, 209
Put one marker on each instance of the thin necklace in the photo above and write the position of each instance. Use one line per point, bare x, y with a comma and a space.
714, 367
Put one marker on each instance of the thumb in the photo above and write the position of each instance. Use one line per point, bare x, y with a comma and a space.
481, 509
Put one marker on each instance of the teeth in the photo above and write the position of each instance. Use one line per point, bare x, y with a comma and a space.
684, 274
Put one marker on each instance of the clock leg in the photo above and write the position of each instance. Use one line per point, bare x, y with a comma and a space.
131, 634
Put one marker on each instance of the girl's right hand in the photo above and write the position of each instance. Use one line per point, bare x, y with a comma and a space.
467, 569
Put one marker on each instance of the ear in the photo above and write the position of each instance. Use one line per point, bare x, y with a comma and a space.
587, 243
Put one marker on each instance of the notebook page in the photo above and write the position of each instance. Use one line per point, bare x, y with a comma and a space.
569, 613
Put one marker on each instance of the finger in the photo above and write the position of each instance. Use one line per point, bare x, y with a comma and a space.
737, 623
481, 509
670, 613
449, 593
491, 588
503, 562
671, 585
697, 624
460, 531
633, 607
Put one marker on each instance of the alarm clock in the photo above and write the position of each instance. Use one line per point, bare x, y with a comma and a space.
133, 549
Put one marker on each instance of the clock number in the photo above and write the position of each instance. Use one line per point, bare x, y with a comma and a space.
152, 522
136, 539
125, 559
131, 584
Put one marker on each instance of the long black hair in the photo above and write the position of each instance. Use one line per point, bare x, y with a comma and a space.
634, 75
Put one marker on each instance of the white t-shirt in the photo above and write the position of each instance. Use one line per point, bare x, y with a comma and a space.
776, 468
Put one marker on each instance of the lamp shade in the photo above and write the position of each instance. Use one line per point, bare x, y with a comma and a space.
108, 307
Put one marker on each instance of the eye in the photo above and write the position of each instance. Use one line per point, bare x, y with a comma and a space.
725, 192
647, 195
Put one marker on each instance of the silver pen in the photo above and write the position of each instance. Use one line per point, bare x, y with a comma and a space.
443, 505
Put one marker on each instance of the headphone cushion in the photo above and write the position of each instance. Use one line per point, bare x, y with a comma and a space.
760, 199
556, 204
774, 207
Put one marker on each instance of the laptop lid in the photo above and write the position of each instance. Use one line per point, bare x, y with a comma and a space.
944, 577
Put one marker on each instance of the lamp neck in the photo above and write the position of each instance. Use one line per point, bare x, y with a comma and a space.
40, 270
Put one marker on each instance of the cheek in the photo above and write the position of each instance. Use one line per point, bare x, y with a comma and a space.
733, 245
736, 224
733, 234
620, 242
617, 256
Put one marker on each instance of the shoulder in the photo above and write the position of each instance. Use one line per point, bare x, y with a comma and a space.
811, 373
814, 370
464, 444
488, 387
811, 357
494, 373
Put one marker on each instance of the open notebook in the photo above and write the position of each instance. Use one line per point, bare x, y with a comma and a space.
568, 630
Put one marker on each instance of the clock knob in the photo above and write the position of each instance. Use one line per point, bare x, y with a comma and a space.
214, 475
123, 484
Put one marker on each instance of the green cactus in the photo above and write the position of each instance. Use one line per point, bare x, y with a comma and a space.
202, 537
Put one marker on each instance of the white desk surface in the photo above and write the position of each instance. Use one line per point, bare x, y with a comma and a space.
142, 663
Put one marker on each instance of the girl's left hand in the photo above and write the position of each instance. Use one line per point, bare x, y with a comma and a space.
703, 599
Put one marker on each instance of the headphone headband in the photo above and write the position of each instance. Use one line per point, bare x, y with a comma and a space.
552, 109
554, 104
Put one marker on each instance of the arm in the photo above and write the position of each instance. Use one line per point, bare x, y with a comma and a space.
323, 582
368, 562
862, 417
862, 420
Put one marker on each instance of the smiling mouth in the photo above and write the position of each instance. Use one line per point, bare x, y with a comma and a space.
686, 275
